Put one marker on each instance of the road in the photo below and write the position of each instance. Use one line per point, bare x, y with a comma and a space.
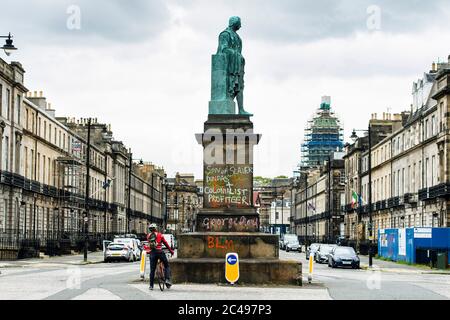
65, 278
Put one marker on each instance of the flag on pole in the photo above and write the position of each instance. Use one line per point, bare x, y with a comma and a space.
355, 199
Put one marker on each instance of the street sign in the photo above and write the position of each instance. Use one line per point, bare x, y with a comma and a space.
232, 267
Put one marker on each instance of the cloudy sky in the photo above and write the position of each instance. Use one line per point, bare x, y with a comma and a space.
144, 66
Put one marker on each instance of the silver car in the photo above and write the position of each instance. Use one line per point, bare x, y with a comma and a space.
321, 255
118, 251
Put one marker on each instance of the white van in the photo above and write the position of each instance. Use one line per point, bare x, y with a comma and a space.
170, 240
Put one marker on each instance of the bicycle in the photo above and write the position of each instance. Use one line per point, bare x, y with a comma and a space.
160, 273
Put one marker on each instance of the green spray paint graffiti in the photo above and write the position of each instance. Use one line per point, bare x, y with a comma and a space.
228, 186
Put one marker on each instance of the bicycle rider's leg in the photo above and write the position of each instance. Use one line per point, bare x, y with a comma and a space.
166, 266
153, 261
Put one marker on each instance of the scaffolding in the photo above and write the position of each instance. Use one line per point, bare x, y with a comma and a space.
323, 136
70, 176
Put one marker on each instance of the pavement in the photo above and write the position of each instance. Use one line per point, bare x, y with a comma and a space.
74, 259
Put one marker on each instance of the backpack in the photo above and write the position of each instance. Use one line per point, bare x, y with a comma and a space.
152, 242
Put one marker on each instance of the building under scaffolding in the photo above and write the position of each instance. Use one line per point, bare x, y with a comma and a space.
71, 173
323, 136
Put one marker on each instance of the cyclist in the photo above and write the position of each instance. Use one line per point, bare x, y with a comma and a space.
155, 241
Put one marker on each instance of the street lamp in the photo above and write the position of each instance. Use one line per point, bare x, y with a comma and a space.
306, 203
8, 47
130, 169
354, 137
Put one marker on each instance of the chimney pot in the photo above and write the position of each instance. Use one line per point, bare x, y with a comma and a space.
40, 94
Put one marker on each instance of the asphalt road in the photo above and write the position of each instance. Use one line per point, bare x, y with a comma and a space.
63, 278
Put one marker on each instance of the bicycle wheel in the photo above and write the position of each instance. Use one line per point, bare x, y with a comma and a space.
160, 275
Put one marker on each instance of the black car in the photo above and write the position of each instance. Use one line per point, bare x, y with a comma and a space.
343, 257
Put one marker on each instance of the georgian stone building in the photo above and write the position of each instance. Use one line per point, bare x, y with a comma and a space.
43, 172
316, 216
183, 202
409, 166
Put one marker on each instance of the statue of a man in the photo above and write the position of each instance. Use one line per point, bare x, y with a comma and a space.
230, 44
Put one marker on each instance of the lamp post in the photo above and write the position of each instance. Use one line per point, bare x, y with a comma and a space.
8, 47
86, 201
306, 204
354, 137
130, 170
330, 215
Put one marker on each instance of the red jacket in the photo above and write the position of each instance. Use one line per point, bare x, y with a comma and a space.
159, 242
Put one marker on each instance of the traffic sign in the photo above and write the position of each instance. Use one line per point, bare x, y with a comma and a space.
232, 267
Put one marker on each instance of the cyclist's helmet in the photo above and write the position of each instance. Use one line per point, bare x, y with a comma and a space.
152, 227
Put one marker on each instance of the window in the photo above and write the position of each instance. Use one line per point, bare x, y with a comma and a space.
433, 171
394, 182
433, 125
32, 123
26, 161
64, 141
426, 172
426, 130
55, 135
49, 170
39, 127
45, 129
6, 153
420, 174
18, 109
32, 164
1, 99
50, 132
27, 116
43, 169
403, 182
38, 170
8, 102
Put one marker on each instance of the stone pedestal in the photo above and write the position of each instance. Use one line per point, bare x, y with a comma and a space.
229, 221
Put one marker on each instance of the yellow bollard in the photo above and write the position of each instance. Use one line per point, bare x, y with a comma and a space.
232, 267
311, 267
142, 265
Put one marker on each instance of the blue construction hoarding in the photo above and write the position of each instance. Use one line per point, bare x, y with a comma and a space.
414, 245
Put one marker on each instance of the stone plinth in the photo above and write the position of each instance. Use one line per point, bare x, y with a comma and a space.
251, 271
218, 244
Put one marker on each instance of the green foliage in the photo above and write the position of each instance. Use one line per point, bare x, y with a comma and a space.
262, 180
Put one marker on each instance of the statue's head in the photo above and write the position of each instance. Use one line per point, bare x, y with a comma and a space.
235, 23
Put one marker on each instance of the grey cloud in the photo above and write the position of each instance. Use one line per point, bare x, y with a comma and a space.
109, 20
306, 20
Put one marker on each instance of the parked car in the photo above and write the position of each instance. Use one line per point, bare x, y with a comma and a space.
133, 243
321, 255
312, 249
344, 257
291, 243
285, 238
118, 251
